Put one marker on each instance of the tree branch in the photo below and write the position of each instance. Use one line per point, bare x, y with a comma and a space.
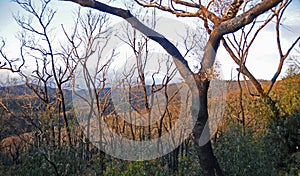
236, 23
179, 60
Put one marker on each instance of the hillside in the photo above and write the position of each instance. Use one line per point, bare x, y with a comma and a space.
24, 114
15, 98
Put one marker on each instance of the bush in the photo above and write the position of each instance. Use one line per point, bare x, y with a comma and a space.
128, 168
66, 160
242, 154
189, 165
283, 142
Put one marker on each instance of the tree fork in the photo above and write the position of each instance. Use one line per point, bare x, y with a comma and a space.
204, 150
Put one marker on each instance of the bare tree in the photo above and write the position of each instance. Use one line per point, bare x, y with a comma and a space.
238, 46
218, 23
13, 65
37, 44
149, 100
86, 47
293, 63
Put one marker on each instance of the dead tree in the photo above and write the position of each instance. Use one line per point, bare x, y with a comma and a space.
217, 26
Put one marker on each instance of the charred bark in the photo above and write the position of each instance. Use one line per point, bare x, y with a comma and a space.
202, 143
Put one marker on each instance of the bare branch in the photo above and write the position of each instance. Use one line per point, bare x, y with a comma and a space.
165, 43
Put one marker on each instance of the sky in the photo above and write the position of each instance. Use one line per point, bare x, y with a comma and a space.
262, 60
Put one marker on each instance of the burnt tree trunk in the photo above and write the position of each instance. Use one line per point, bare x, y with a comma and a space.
202, 143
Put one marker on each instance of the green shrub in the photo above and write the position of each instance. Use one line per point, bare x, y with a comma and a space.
128, 168
282, 141
242, 154
66, 160
189, 165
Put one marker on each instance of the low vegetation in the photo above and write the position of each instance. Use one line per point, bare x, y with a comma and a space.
264, 144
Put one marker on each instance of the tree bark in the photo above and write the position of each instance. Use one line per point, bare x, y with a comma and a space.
202, 143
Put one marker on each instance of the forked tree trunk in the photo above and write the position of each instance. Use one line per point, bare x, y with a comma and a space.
203, 146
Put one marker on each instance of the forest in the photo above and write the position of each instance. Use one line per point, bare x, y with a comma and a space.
100, 95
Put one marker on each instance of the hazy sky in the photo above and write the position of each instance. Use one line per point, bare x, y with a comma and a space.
262, 61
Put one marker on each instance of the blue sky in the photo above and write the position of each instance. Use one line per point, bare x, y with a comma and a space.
262, 61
